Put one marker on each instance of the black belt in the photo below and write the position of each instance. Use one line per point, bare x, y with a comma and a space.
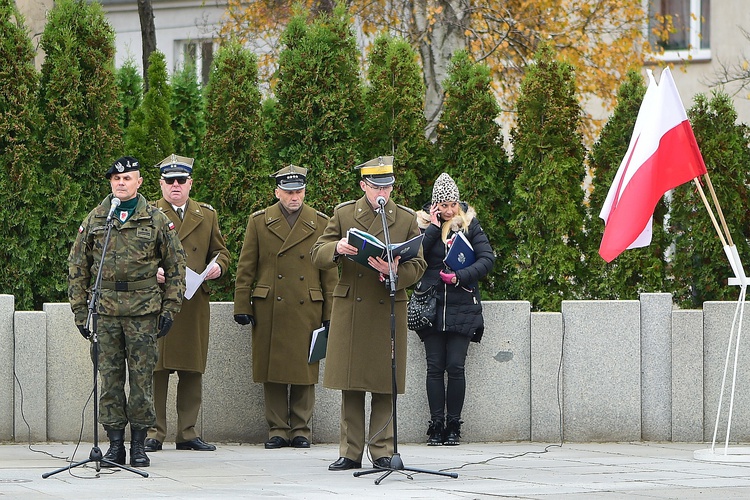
129, 286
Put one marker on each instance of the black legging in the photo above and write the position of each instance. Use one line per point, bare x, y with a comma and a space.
446, 352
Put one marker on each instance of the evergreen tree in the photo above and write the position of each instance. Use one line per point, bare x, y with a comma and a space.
234, 177
394, 121
471, 151
149, 136
320, 106
20, 242
547, 211
188, 121
80, 133
637, 270
129, 91
699, 265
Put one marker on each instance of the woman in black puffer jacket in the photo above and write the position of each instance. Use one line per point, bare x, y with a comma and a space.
459, 309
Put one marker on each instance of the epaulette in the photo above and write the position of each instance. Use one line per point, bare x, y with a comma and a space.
406, 209
323, 215
259, 212
206, 205
344, 204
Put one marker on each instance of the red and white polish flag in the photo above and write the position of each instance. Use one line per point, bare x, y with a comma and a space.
662, 154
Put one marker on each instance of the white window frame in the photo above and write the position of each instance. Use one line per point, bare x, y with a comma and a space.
180, 46
694, 52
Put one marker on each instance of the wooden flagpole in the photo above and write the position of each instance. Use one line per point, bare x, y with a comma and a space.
718, 209
710, 212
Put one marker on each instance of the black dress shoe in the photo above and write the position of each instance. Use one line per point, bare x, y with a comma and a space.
300, 442
152, 444
382, 463
344, 463
196, 444
276, 442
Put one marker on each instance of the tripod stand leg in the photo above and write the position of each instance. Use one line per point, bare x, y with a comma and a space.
95, 456
397, 465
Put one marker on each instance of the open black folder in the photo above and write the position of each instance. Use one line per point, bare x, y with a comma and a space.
368, 245
318, 344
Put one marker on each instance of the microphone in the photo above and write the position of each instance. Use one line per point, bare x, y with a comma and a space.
113, 207
380, 200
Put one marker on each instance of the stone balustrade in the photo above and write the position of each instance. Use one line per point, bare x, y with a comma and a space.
629, 370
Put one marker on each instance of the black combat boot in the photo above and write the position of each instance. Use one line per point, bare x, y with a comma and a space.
435, 431
116, 451
138, 457
452, 432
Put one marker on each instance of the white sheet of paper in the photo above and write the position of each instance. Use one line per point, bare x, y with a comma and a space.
193, 280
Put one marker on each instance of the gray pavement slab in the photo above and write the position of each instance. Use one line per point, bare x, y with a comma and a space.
612, 471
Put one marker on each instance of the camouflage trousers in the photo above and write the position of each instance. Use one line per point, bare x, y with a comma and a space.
127, 342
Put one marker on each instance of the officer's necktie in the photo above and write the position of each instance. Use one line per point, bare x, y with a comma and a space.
179, 212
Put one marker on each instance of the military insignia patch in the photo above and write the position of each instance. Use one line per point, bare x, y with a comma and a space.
80, 229
123, 215
170, 226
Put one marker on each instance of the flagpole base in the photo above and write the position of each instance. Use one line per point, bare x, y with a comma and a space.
739, 454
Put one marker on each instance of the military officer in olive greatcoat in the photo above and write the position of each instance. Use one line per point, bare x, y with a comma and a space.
185, 350
133, 309
358, 359
284, 297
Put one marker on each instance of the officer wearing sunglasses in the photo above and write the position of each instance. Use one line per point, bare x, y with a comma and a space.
186, 351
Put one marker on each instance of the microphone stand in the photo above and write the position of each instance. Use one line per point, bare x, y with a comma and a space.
96, 455
396, 463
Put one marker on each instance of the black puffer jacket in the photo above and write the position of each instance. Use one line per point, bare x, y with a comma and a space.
459, 306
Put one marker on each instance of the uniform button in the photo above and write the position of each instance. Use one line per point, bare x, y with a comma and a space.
359, 275
281, 255
301, 301
359, 299
302, 256
278, 298
302, 278
280, 276
382, 301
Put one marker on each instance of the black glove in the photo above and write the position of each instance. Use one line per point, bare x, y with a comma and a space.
244, 319
164, 324
327, 324
84, 331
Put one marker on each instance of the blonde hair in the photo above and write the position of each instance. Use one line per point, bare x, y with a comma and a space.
462, 224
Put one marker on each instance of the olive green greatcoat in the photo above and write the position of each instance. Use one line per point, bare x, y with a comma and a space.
359, 341
288, 296
186, 345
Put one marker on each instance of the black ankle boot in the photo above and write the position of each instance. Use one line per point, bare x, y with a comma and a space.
435, 431
452, 433
116, 451
138, 457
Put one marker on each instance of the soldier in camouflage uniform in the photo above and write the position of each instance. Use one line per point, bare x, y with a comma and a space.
133, 309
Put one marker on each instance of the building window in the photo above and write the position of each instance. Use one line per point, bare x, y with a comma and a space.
681, 27
200, 52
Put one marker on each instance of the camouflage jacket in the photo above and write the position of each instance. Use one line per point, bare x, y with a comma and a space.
136, 250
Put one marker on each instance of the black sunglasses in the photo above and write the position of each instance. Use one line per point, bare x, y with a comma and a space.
180, 180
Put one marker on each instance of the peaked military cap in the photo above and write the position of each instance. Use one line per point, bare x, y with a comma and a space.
291, 178
175, 166
378, 171
122, 165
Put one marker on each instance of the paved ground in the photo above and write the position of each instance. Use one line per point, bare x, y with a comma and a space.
486, 470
